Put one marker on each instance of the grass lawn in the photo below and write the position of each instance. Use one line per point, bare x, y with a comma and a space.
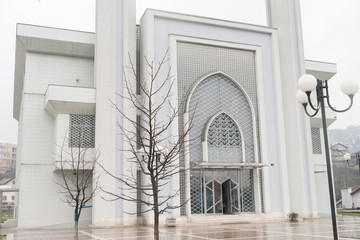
349, 214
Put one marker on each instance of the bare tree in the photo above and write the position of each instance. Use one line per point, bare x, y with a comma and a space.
150, 146
77, 169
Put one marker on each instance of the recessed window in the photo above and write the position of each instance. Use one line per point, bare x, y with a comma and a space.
138, 136
82, 131
316, 141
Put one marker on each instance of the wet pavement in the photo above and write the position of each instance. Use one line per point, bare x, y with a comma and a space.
348, 228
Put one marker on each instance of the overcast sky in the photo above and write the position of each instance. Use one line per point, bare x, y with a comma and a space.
331, 30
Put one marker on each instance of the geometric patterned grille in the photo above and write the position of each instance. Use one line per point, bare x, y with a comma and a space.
182, 193
261, 190
215, 94
222, 191
138, 194
224, 140
196, 60
316, 140
138, 129
247, 191
196, 193
82, 131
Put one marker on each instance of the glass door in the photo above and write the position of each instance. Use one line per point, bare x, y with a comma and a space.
213, 197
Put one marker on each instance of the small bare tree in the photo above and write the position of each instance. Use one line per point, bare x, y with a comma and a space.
77, 169
154, 152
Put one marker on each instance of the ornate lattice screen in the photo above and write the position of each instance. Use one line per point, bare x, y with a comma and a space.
224, 140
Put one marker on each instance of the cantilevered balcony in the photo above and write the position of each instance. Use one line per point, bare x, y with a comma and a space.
69, 99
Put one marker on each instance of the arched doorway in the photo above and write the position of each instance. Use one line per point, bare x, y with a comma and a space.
222, 181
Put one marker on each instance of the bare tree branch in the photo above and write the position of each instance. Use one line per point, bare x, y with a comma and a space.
77, 171
148, 139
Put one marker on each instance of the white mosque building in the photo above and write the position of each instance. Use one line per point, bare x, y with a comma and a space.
243, 79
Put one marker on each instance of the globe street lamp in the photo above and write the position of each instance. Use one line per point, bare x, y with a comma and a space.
307, 84
356, 156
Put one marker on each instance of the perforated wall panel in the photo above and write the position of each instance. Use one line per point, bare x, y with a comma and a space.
316, 140
216, 94
82, 130
138, 194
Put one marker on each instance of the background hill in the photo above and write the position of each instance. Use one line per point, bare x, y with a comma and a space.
344, 175
349, 136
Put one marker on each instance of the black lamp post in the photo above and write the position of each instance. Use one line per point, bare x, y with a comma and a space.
307, 84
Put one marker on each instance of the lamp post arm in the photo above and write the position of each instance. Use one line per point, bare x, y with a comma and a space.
319, 95
310, 102
344, 110
351, 165
307, 113
328, 100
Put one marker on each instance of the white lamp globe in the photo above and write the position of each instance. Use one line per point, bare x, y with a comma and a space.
302, 97
349, 87
347, 156
307, 83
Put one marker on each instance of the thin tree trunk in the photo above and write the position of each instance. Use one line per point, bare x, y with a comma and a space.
156, 210
76, 234
156, 222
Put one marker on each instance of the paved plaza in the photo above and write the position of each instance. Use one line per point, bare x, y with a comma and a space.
348, 228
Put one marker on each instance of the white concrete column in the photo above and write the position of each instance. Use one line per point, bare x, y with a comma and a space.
1, 197
128, 54
115, 41
285, 16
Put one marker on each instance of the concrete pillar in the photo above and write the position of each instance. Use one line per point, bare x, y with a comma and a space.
285, 16
1, 197
115, 41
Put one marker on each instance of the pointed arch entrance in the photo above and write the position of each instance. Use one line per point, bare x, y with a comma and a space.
225, 157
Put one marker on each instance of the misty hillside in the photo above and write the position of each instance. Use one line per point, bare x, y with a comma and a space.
350, 137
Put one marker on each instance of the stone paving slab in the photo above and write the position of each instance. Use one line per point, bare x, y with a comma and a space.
348, 228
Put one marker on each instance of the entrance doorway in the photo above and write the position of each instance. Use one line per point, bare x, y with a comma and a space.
226, 197
230, 197
222, 191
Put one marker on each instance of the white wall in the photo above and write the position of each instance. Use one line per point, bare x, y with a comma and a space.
322, 192
37, 179
356, 199
347, 200
45, 69
321, 179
